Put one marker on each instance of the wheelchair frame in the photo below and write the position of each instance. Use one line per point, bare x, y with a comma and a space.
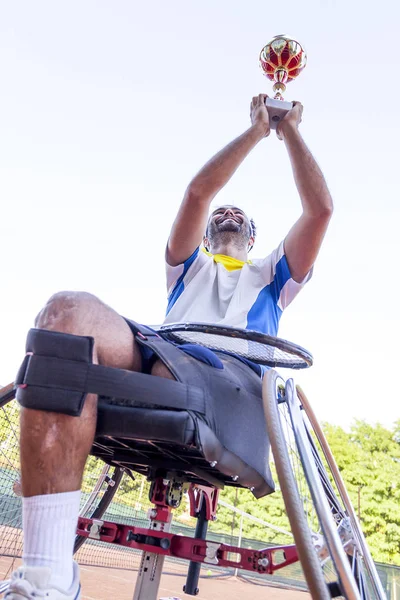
157, 542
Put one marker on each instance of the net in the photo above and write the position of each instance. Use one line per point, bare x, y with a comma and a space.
252, 345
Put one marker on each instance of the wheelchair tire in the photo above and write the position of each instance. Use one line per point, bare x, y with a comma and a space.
294, 507
309, 483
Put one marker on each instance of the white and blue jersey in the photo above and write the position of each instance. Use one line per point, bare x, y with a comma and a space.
222, 290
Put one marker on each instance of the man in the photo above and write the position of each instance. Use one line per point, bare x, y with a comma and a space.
218, 285
221, 285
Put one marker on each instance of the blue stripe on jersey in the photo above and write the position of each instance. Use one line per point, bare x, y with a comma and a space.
282, 275
265, 313
179, 286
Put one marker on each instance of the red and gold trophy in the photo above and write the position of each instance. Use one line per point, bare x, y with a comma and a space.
281, 60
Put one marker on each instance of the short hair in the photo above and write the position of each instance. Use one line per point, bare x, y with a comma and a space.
253, 228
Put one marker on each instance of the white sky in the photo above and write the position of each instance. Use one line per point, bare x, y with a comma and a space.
107, 109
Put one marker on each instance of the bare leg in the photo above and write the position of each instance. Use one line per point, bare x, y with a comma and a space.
54, 447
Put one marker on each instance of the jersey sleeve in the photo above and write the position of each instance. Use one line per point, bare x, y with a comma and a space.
181, 274
276, 273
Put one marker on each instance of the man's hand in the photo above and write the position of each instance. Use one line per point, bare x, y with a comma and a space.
291, 120
259, 113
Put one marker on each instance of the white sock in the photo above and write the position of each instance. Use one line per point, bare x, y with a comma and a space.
49, 525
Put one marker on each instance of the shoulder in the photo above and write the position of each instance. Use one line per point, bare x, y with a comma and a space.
270, 264
190, 266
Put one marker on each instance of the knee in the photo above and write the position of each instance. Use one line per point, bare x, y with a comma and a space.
65, 311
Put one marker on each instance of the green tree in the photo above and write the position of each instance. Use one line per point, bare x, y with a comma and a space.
369, 460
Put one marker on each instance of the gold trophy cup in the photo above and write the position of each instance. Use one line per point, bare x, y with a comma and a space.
281, 60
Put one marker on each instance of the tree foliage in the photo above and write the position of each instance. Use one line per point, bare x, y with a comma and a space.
368, 457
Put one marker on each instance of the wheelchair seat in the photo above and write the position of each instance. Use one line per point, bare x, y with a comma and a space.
144, 439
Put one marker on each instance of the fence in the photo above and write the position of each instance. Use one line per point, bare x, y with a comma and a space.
130, 506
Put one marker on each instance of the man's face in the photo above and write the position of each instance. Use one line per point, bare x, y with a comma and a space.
228, 218
229, 222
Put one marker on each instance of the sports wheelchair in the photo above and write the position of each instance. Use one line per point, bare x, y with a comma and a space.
168, 439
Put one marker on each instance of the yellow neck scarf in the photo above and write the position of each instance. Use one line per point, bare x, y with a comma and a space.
230, 263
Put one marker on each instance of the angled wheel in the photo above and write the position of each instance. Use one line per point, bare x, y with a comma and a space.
364, 567
100, 498
334, 561
99, 485
289, 484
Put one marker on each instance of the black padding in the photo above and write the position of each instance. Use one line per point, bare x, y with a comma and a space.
42, 343
58, 378
145, 423
47, 343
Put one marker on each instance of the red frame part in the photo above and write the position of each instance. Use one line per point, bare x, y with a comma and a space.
178, 546
196, 494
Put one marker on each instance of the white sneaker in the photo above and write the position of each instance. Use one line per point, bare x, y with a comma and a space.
33, 583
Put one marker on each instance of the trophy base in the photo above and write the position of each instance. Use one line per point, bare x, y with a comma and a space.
277, 109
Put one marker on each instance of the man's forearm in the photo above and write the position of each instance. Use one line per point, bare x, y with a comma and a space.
218, 171
310, 182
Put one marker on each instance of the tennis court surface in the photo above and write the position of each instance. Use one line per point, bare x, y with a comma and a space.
99, 583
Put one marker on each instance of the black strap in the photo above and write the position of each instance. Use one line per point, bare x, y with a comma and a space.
59, 373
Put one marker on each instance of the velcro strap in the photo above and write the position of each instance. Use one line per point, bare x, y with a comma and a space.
76, 376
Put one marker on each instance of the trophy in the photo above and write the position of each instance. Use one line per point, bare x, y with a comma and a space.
281, 60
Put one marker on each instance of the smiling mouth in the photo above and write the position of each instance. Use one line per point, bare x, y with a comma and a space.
223, 219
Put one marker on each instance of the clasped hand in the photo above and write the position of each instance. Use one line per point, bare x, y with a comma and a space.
259, 116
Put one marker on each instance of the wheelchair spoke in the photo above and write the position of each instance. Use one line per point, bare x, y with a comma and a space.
304, 492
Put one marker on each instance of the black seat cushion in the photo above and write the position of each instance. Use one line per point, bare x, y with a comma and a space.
176, 427
232, 434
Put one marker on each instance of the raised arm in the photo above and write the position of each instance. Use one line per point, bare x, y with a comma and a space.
304, 240
190, 223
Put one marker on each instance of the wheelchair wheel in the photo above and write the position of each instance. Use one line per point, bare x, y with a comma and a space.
331, 547
366, 563
99, 485
100, 498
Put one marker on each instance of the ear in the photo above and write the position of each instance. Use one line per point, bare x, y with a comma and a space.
206, 243
250, 243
